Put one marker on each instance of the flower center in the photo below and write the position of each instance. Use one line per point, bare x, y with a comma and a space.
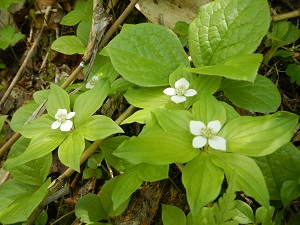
207, 132
180, 90
61, 118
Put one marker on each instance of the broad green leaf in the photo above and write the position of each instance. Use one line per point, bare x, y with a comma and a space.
33, 172
42, 218
68, 45
231, 113
147, 97
202, 180
70, 150
126, 184
152, 173
22, 115
243, 67
227, 28
284, 33
13, 190
121, 84
8, 36
41, 96
293, 71
172, 215
83, 11
58, 99
21, 209
289, 191
99, 127
38, 147
244, 212
106, 198
107, 71
181, 28
264, 215
261, 135
108, 147
209, 83
175, 121
260, 96
82, 29
278, 167
90, 101
208, 109
37, 126
157, 148
139, 117
249, 178
89, 209
146, 54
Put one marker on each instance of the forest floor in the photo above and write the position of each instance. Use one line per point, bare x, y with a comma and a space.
145, 204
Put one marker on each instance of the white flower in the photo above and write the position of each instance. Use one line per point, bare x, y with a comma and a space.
92, 82
62, 120
206, 134
181, 91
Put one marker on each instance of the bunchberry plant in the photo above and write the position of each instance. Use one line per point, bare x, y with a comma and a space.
184, 122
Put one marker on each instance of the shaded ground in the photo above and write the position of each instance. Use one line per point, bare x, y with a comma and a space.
145, 205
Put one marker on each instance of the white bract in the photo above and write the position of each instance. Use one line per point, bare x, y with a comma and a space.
92, 82
181, 91
206, 134
63, 120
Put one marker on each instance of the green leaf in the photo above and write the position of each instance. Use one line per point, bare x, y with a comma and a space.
204, 217
208, 109
38, 147
33, 172
244, 212
147, 97
249, 178
8, 36
197, 176
152, 173
284, 33
58, 99
108, 147
260, 96
41, 96
243, 67
181, 28
70, 150
42, 218
21, 209
106, 198
278, 167
224, 211
83, 11
89, 209
264, 215
157, 148
289, 191
82, 29
139, 117
209, 83
146, 54
174, 121
99, 127
172, 215
13, 190
261, 135
22, 115
121, 85
293, 71
37, 126
126, 184
90, 101
68, 45
224, 29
